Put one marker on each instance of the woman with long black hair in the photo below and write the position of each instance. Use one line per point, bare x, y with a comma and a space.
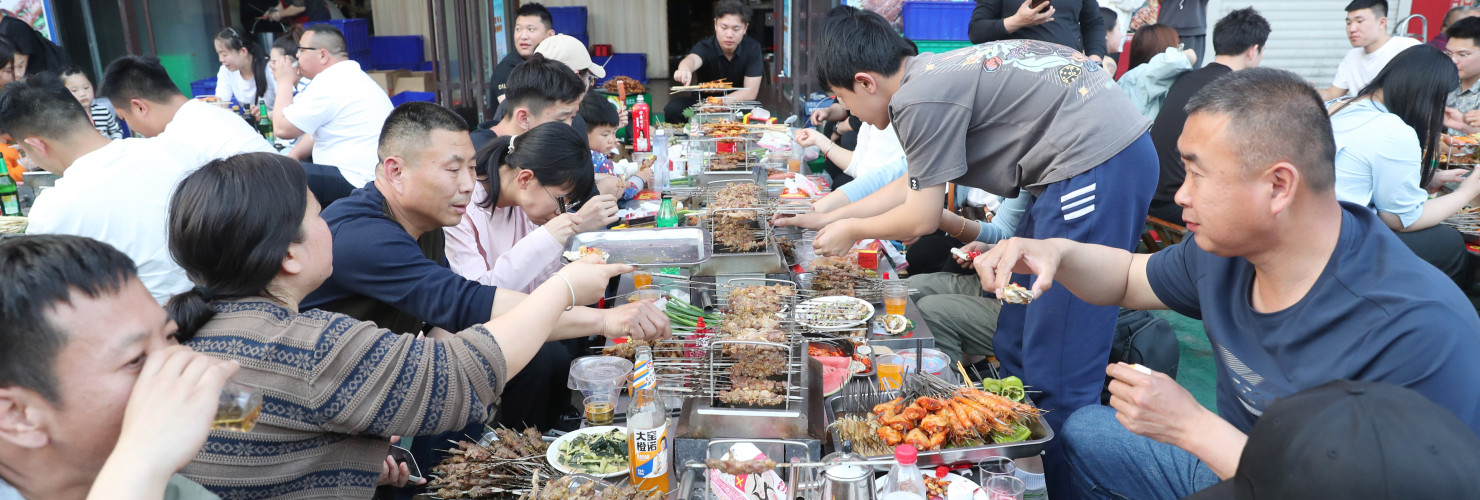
244, 74
513, 234
248, 232
1388, 140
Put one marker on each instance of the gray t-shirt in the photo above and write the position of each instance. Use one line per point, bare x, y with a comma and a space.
1010, 114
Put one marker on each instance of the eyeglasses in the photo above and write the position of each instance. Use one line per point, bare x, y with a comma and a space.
561, 206
301, 49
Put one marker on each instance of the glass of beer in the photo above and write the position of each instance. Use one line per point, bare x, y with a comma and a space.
600, 409
238, 409
895, 295
891, 371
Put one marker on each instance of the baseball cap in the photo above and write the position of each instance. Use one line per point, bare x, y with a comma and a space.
1355, 440
572, 52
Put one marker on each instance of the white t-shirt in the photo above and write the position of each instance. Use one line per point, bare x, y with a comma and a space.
213, 132
344, 110
8, 492
876, 148
230, 84
120, 195
1358, 68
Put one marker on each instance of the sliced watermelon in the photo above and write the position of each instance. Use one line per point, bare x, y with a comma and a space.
835, 373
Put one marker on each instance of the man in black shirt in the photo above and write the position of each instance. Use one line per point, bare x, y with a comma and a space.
532, 25
728, 55
1072, 23
1238, 41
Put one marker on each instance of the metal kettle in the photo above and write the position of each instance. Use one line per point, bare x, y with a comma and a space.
842, 480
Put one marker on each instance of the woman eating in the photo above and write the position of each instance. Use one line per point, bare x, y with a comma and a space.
248, 232
1387, 139
515, 230
244, 75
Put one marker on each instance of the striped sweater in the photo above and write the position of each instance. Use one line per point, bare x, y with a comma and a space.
105, 121
334, 390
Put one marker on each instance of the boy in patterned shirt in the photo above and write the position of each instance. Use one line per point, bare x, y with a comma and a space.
601, 136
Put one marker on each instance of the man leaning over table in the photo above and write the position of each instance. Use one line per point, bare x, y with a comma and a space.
1294, 288
153, 106
1001, 116
115, 191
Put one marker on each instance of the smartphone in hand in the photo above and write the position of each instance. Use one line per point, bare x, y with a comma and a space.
403, 456
1037, 3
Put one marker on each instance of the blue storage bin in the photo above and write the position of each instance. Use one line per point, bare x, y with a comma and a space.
427, 66
631, 65
569, 20
362, 57
356, 33
201, 88
396, 52
936, 20
405, 97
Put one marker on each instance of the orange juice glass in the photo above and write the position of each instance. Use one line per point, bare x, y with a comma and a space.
894, 298
891, 372
641, 279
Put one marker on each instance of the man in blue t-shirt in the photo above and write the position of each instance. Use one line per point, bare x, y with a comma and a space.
1294, 288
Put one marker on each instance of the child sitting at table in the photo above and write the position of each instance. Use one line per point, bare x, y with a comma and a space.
601, 136
81, 87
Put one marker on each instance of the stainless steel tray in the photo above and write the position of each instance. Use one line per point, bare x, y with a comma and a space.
1041, 433
669, 246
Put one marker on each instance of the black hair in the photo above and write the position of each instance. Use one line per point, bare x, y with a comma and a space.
1379, 7
8, 50
1238, 31
230, 225
409, 128
326, 36
855, 41
1274, 116
137, 77
732, 8
72, 70
235, 42
914, 48
40, 106
556, 153
287, 44
536, 10
42, 272
539, 82
1112, 19
597, 111
1467, 28
1415, 85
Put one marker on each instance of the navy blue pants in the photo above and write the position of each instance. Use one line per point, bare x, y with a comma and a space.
1059, 344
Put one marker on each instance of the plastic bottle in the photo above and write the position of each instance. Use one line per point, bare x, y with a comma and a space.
10, 204
667, 216
904, 480
662, 171
647, 428
641, 128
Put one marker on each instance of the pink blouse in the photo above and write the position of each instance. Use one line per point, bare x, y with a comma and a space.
501, 247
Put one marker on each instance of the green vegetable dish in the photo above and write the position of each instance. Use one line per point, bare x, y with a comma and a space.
601, 453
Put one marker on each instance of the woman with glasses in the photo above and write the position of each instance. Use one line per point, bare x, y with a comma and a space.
523, 208
244, 75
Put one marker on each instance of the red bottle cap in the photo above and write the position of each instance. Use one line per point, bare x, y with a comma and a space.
905, 454
940, 472
701, 324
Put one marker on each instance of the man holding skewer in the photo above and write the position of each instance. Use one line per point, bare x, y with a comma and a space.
1294, 287
729, 55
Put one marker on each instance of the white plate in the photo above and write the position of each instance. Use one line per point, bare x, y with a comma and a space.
553, 454
959, 489
807, 312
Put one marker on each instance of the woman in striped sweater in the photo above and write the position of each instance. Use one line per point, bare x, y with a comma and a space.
248, 232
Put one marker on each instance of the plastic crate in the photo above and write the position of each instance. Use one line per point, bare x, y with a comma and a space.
569, 20
362, 57
200, 88
427, 66
356, 33
940, 46
631, 65
405, 97
936, 20
396, 52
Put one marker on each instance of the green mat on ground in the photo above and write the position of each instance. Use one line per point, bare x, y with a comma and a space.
1196, 369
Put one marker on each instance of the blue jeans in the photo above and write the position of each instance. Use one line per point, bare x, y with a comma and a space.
1108, 461
1060, 345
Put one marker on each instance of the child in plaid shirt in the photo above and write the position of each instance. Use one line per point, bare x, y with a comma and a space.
601, 136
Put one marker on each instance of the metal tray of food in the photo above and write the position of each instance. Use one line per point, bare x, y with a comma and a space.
1041, 434
669, 246
721, 178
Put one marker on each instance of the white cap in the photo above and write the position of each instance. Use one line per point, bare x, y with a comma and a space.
567, 49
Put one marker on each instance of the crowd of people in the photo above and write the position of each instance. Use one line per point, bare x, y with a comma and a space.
396, 271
